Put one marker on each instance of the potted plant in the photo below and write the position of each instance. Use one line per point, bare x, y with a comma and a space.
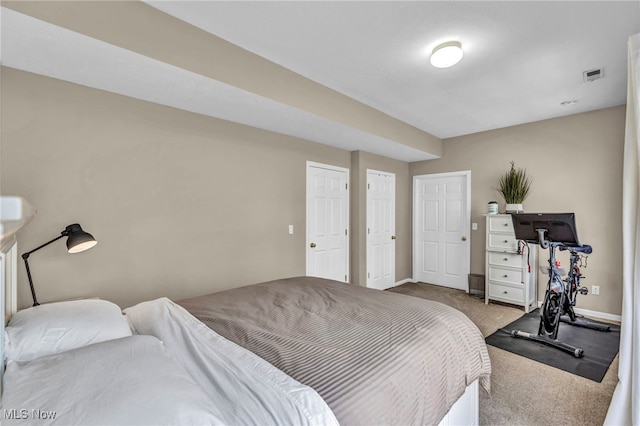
514, 186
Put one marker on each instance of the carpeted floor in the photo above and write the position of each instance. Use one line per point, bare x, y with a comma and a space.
524, 392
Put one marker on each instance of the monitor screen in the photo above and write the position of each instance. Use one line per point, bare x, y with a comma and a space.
560, 227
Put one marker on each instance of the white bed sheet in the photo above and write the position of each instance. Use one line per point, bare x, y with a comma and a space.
127, 381
253, 391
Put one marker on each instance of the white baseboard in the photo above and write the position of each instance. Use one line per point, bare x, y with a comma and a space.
406, 280
594, 314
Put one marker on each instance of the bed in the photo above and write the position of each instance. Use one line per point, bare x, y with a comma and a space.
374, 357
79, 362
269, 353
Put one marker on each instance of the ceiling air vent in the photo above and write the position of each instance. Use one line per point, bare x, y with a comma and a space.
593, 75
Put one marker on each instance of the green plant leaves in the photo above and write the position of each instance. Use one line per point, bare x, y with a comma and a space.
514, 185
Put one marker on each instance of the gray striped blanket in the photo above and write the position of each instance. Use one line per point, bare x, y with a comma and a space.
375, 357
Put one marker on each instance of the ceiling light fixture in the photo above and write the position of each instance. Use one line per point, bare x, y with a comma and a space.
446, 54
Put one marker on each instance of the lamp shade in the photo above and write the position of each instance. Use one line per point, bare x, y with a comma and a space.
79, 240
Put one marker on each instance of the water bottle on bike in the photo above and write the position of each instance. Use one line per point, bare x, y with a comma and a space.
557, 285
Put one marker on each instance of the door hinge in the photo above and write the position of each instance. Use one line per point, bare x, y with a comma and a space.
345, 232
368, 186
368, 230
345, 278
346, 186
368, 274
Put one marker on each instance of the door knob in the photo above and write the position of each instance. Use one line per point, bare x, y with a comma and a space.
312, 245
393, 237
464, 238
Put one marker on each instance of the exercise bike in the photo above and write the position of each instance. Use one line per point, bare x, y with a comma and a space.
556, 231
576, 256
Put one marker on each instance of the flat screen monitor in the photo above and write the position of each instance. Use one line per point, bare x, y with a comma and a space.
561, 227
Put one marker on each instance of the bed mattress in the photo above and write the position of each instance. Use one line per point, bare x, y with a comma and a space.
374, 357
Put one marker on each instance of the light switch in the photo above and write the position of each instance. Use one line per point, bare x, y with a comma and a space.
474, 226
290, 229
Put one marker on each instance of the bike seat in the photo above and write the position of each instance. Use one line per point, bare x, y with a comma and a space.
585, 248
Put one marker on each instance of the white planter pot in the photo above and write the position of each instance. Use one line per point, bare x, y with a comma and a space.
513, 208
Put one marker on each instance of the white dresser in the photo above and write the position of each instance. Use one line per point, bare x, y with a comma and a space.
508, 276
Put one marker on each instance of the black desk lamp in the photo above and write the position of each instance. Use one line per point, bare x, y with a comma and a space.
78, 241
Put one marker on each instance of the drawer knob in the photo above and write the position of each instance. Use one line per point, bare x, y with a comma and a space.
505, 276
506, 224
506, 259
506, 241
505, 292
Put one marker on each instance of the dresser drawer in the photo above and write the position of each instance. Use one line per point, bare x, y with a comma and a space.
503, 292
505, 259
508, 276
501, 224
505, 275
502, 242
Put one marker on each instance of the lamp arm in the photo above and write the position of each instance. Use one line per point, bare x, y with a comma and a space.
33, 292
25, 256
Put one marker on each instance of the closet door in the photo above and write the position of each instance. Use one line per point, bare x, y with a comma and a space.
381, 229
327, 222
441, 244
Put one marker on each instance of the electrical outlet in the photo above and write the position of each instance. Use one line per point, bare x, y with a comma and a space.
474, 226
595, 290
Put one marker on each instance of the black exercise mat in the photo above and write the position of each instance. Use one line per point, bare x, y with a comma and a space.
600, 347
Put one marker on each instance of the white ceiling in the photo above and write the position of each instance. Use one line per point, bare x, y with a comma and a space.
522, 59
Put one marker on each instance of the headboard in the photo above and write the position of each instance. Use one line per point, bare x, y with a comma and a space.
8, 297
15, 213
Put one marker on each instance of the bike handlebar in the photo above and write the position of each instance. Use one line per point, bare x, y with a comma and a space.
586, 249
545, 244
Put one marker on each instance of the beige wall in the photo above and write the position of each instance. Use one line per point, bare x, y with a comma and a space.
181, 204
184, 204
576, 165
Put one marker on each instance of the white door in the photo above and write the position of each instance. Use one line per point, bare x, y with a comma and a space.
381, 229
327, 222
441, 245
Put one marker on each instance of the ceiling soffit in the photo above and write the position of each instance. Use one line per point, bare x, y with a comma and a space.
141, 29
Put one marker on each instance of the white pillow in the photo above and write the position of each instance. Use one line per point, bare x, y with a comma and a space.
59, 327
